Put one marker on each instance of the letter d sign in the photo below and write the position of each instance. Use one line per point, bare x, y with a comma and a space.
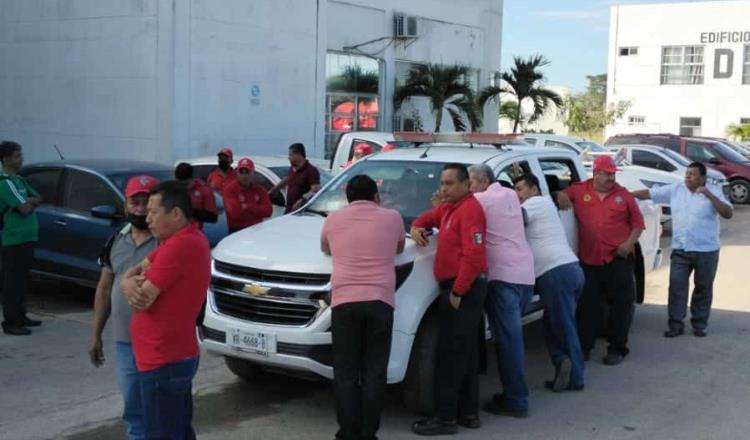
723, 69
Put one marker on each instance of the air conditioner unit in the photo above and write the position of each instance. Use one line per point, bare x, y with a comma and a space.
404, 26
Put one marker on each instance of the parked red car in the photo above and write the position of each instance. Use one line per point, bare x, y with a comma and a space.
714, 152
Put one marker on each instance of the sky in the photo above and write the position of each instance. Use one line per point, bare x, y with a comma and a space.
572, 34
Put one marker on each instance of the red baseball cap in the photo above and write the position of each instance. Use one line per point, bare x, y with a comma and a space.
245, 164
140, 185
605, 163
388, 147
226, 151
362, 149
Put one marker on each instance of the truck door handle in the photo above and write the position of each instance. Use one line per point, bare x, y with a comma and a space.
61, 222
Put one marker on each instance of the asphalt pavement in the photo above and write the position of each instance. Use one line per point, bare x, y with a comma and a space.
682, 388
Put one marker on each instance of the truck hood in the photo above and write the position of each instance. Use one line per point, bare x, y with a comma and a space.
290, 243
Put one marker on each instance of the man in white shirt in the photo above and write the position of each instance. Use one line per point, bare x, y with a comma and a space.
559, 283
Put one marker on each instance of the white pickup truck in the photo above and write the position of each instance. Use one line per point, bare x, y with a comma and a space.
267, 307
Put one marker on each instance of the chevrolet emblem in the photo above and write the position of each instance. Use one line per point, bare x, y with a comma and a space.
255, 289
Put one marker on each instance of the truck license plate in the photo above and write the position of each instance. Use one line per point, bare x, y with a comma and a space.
253, 342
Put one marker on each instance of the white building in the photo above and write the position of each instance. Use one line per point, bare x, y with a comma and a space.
684, 67
553, 119
161, 79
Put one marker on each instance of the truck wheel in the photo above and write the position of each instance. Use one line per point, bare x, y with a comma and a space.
243, 369
739, 191
419, 384
639, 270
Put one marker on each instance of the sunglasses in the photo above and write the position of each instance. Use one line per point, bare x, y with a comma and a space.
244, 171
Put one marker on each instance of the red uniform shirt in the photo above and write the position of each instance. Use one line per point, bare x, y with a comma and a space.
246, 207
181, 268
604, 224
203, 199
299, 183
218, 181
460, 249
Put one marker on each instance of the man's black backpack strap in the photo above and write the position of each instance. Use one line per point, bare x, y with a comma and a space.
104, 256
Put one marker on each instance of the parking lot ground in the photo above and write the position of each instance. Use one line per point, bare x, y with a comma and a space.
682, 388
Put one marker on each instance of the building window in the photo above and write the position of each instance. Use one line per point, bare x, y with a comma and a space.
690, 126
628, 51
352, 96
746, 66
636, 120
682, 65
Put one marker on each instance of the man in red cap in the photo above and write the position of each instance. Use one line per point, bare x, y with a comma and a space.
202, 196
609, 224
388, 147
246, 203
221, 176
360, 150
127, 247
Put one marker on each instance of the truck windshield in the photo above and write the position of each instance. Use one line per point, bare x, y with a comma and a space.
404, 186
592, 146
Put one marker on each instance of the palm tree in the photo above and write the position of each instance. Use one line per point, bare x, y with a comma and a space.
447, 89
354, 79
524, 81
739, 132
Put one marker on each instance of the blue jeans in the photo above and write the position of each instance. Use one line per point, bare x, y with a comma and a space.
167, 395
559, 288
130, 388
505, 305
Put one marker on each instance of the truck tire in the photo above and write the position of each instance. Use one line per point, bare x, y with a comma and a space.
244, 369
419, 383
739, 191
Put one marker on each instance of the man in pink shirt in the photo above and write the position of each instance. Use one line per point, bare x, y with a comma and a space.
510, 266
363, 240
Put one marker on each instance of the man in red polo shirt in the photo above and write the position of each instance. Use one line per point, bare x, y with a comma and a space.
166, 292
246, 203
302, 181
460, 264
221, 176
609, 224
202, 196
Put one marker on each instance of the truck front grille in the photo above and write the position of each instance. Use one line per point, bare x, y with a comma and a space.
269, 276
261, 310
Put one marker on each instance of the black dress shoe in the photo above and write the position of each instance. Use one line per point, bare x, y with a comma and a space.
549, 384
471, 422
699, 333
28, 322
434, 426
613, 358
499, 409
673, 332
16, 330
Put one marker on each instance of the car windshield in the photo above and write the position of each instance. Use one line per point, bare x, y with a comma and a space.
592, 146
730, 154
325, 175
740, 148
406, 187
121, 179
677, 157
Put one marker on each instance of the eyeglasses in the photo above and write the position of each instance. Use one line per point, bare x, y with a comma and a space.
244, 171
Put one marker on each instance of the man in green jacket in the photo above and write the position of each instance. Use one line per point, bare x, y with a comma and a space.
20, 232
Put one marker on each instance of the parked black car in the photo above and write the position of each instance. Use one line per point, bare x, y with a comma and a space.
83, 204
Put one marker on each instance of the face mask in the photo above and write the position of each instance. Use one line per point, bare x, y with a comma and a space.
224, 165
138, 221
